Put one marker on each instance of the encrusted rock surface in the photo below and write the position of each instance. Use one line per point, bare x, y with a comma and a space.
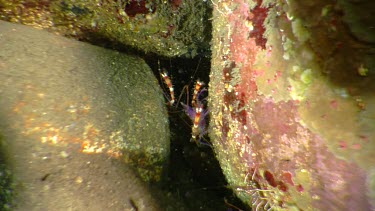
292, 103
168, 28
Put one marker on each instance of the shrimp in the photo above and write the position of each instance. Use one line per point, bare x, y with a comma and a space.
197, 114
169, 84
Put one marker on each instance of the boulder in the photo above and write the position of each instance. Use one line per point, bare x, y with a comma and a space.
292, 103
79, 123
168, 28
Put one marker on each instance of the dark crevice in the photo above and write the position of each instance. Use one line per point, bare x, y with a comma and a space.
194, 174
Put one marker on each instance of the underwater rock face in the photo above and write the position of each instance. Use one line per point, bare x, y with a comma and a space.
168, 28
292, 103
67, 106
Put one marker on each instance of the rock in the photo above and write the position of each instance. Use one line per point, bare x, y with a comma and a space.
292, 103
168, 28
67, 109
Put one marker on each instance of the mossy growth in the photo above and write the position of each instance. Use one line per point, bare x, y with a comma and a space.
6, 182
300, 31
168, 28
6, 190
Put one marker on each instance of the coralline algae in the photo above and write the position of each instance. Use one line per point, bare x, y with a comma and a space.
291, 103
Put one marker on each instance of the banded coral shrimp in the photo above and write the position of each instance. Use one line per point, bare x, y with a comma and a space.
194, 174
196, 110
198, 115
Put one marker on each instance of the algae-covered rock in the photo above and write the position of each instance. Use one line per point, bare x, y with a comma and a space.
292, 103
6, 181
66, 107
168, 28
6, 188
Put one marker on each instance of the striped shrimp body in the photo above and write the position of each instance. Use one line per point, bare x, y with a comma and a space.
169, 84
197, 114
197, 92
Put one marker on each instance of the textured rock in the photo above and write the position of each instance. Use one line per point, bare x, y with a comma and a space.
292, 103
168, 28
61, 99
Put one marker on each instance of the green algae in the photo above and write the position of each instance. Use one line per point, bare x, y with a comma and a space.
291, 47
362, 71
299, 81
306, 76
300, 30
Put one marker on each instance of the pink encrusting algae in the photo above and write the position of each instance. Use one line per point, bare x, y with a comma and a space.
286, 136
